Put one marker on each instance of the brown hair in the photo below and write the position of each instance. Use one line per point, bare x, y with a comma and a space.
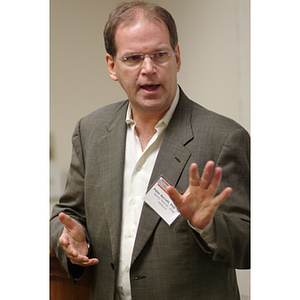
126, 12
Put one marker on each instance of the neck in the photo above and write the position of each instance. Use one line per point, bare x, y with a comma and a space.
145, 125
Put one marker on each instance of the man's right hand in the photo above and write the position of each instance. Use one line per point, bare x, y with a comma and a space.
74, 242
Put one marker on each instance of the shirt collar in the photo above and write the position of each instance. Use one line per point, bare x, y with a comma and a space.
164, 120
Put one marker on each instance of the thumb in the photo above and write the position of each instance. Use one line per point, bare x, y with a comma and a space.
72, 228
67, 221
174, 195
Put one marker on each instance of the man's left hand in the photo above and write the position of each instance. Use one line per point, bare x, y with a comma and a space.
198, 204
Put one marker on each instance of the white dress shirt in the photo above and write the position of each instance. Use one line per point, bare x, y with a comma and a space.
137, 171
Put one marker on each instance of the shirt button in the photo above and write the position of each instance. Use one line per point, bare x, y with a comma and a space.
128, 234
132, 201
127, 269
139, 168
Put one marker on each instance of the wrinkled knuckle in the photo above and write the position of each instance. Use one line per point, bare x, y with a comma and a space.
62, 241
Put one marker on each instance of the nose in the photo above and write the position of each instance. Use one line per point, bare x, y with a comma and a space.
148, 67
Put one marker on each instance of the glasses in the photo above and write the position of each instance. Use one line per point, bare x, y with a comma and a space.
135, 60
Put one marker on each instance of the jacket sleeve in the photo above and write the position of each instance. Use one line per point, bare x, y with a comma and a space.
231, 223
71, 203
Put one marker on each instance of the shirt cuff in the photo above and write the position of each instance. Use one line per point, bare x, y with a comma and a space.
207, 234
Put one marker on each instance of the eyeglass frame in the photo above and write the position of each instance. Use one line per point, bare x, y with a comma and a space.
151, 56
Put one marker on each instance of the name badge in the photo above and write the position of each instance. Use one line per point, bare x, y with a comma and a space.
159, 199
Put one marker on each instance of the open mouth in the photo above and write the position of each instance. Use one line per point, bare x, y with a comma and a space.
150, 87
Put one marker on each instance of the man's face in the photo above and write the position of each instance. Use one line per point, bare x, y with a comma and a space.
150, 87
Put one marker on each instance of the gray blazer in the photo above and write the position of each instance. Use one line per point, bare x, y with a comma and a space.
168, 262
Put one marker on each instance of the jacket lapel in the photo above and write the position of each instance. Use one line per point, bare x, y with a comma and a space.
112, 147
171, 160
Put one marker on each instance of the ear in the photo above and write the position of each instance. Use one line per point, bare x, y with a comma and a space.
178, 59
111, 67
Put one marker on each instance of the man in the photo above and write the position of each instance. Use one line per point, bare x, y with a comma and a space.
119, 153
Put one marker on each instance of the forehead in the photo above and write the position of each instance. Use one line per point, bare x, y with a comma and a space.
142, 35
